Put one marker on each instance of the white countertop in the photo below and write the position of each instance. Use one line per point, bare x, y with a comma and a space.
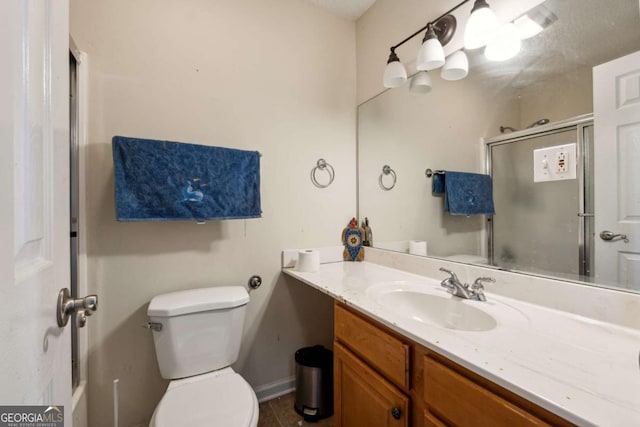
584, 370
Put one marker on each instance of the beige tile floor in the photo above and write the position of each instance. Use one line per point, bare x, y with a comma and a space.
279, 412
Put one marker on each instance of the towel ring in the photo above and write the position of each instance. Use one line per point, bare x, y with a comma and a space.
322, 165
386, 170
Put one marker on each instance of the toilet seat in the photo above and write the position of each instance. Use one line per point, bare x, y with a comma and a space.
213, 399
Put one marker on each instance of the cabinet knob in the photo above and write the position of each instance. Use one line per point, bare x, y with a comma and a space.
396, 413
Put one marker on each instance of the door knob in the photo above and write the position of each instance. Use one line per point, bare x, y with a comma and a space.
611, 236
81, 307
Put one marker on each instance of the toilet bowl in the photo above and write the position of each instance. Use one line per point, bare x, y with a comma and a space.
197, 337
220, 398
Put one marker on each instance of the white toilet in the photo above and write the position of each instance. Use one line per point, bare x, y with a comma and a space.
198, 341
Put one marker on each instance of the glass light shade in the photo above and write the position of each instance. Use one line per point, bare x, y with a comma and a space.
420, 83
395, 74
456, 67
430, 55
527, 27
480, 28
505, 45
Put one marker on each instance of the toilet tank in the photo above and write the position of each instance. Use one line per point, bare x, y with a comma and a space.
201, 329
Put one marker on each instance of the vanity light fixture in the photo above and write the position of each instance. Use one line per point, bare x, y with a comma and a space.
395, 74
502, 42
481, 26
430, 55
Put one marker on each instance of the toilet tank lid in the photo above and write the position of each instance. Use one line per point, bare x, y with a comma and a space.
196, 300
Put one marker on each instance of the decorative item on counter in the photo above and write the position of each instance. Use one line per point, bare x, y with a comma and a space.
367, 239
352, 241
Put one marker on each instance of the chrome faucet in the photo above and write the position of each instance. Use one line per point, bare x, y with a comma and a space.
455, 287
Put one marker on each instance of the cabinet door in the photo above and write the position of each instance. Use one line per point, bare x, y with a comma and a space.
430, 420
462, 402
385, 353
363, 398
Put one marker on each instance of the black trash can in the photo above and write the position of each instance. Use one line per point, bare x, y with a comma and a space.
314, 383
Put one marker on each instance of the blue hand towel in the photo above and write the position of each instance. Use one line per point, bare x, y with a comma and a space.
468, 194
168, 181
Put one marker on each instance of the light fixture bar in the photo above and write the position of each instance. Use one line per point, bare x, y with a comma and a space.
434, 22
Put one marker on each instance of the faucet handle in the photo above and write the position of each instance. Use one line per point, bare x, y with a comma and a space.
453, 275
478, 283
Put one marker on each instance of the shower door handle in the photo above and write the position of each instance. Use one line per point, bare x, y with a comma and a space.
611, 236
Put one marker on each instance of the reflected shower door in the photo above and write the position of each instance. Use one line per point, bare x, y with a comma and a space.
542, 227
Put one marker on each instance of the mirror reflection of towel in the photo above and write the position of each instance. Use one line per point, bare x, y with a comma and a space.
437, 183
468, 194
168, 181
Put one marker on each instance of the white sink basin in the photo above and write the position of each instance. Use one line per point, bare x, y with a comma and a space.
427, 303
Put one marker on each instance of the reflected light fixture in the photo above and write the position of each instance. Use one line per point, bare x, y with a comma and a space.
527, 27
505, 44
420, 83
481, 26
534, 21
456, 67
395, 74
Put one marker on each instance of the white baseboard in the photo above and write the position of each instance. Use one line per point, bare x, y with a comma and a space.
275, 389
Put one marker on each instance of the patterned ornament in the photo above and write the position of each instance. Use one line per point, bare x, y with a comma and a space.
352, 238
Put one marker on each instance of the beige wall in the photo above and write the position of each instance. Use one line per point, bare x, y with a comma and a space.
276, 76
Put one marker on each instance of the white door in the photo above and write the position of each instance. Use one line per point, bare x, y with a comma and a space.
34, 208
616, 92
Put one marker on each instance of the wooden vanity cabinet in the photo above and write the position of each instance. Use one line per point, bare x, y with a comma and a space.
365, 398
371, 374
382, 378
453, 395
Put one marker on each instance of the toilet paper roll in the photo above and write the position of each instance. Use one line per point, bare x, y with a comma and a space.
418, 247
308, 261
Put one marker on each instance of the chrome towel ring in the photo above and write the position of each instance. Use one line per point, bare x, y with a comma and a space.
322, 165
386, 170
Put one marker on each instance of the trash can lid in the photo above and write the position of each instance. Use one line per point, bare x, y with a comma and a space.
314, 357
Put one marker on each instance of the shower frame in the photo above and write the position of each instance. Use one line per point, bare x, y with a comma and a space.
585, 179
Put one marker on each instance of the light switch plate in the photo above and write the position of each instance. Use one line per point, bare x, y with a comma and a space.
555, 163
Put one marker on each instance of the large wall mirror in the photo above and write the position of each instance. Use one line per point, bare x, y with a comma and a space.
493, 122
